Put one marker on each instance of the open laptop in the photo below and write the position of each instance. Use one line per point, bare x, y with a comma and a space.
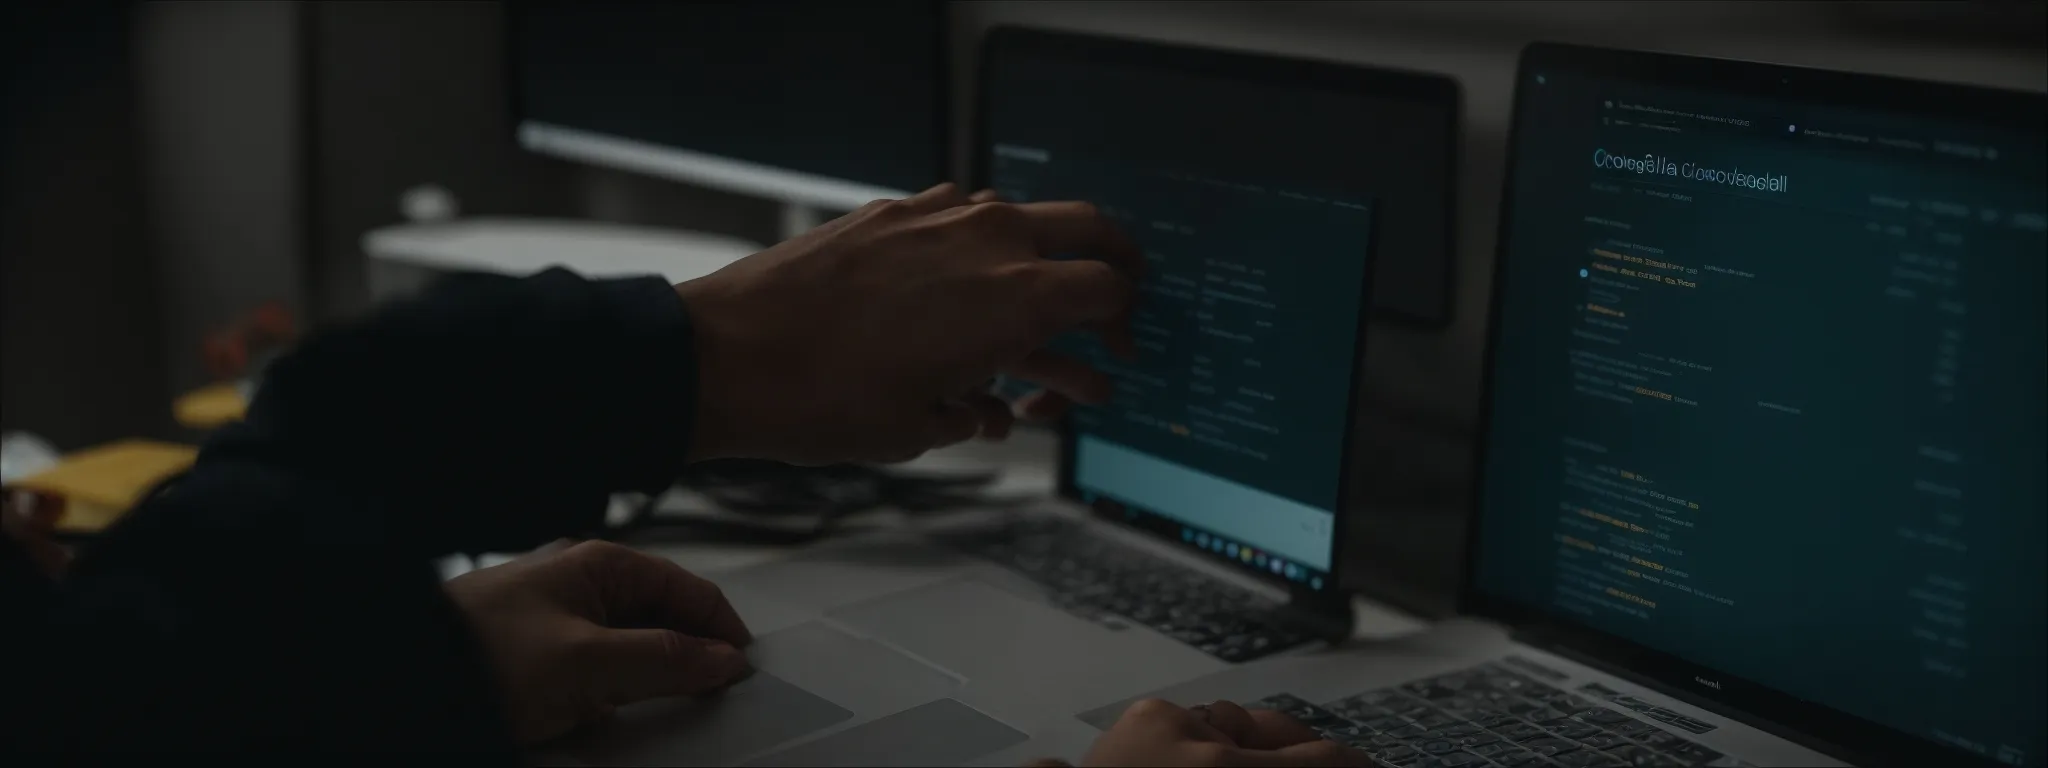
1762, 471
1198, 522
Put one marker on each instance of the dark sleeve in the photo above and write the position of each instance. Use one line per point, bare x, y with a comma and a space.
283, 594
494, 414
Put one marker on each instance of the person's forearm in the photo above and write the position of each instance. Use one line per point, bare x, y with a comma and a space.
493, 412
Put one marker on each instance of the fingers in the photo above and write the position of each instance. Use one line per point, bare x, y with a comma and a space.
1041, 406
1081, 294
994, 414
1057, 228
629, 665
954, 421
648, 591
938, 198
1064, 375
1275, 730
985, 196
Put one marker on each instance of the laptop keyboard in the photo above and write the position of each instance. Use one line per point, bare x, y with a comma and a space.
1117, 585
1490, 715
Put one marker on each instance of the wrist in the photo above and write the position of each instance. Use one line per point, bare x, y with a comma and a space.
732, 377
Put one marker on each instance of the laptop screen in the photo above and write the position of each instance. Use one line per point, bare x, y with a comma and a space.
1249, 196
1767, 396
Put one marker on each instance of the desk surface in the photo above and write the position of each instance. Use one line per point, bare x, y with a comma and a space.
1027, 465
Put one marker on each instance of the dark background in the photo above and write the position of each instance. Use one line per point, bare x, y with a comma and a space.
165, 166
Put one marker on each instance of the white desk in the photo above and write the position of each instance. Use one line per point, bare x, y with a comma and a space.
1027, 465
404, 257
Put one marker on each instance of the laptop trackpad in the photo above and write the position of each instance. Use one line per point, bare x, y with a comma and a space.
1018, 652
754, 715
808, 677
943, 732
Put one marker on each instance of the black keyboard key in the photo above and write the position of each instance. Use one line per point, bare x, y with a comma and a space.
1406, 732
1481, 737
1524, 707
1585, 758
1520, 731
1455, 760
1636, 729
1654, 739
1350, 733
1385, 698
1603, 716
1428, 689
1359, 712
1630, 754
1398, 752
1491, 749
1572, 729
1691, 754
1436, 720
1495, 721
1601, 740
1387, 723
1437, 746
1550, 746
1517, 758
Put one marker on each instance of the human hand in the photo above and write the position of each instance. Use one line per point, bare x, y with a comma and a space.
1157, 733
576, 631
1039, 405
874, 336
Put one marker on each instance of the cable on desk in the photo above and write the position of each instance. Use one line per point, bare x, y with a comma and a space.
774, 503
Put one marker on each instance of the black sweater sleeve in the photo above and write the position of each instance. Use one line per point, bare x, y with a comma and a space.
282, 594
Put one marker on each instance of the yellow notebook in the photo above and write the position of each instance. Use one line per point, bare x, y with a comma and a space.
99, 484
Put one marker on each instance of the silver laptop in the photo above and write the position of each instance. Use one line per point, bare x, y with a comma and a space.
1196, 528
1762, 471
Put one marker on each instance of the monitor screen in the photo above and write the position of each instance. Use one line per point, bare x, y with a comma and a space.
1767, 395
1254, 207
832, 104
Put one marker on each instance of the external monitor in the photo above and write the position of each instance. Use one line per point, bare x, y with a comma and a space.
823, 106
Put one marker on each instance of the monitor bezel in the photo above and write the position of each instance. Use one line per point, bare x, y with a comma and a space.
1823, 728
1280, 71
793, 186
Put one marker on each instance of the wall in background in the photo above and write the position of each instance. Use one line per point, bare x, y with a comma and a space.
217, 88
400, 95
80, 360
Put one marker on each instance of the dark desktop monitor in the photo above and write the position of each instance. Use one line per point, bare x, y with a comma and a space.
1765, 415
1256, 188
827, 106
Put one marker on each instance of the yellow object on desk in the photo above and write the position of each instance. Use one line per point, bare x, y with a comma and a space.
100, 484
211, 406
